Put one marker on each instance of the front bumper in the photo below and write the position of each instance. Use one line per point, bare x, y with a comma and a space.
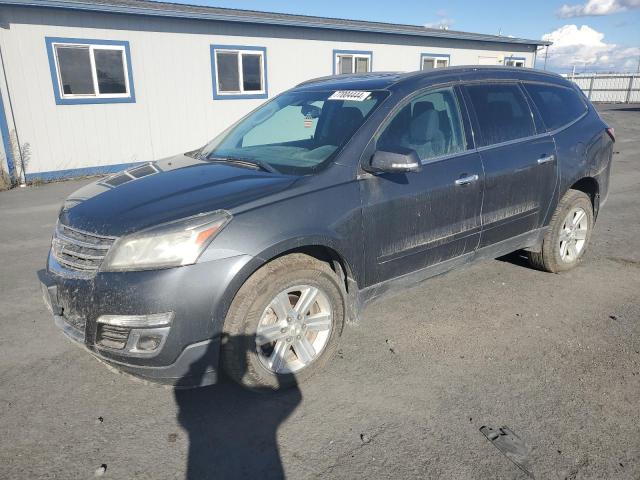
196, 294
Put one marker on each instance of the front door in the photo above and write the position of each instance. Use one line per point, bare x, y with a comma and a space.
520, 166
415, 220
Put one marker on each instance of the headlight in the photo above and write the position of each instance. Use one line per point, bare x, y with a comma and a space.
168, 245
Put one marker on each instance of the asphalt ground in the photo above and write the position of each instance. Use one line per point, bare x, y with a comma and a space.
554, 357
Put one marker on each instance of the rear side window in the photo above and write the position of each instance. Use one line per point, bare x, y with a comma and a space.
502, 111
558, 106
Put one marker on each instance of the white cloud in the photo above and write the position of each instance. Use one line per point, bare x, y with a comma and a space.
597, 7
444, 21
585, 46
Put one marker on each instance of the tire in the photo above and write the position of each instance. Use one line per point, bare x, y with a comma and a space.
258, 313
556, 254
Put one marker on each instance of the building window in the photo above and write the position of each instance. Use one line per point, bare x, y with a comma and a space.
90, 71
351, 61
239, 72
514, 62
429, 61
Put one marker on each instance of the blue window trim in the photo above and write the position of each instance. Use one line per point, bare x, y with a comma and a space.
434, 55
89, 100
245, 96
352, 52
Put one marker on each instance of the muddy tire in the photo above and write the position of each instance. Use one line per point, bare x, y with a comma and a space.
284, 323
568, 235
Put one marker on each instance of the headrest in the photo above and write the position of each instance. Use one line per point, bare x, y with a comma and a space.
425, 126
421, 107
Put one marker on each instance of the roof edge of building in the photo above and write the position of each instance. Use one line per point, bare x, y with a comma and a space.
268, 18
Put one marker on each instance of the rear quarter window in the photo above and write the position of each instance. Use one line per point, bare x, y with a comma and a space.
557, 105
502, 112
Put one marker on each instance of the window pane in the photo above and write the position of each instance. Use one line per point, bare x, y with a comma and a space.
430, 125
110, 71
345, 64
287, 125
557, 105
296, 131
441, 63
251, 72
74, 65
227, 70
362, 65
428, 63
502, 111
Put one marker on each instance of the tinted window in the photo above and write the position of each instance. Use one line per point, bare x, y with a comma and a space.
362, 65
251, 72
557, 105
110, 71
75, 70
228, 74
502, 111
429, 124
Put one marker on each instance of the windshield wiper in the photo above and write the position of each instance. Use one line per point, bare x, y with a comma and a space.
247, 162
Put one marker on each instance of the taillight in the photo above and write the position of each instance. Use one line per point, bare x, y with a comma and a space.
612, 133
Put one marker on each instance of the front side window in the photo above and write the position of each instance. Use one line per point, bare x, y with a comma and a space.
502, 112
557, 105
239, 72
430, 125
95, 71
296, 132
429, 62
352, 62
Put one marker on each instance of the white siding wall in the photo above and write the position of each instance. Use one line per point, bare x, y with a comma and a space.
174, 109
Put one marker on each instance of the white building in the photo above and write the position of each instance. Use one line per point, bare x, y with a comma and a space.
90, 87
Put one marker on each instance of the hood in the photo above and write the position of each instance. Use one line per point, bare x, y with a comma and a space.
170, 189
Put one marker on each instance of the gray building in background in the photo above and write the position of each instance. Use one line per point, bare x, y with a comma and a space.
92, 87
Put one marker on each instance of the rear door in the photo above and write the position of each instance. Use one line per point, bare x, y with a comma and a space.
418, 219
520, 164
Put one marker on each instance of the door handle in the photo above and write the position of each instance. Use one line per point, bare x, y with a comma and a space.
546, 159
467, 180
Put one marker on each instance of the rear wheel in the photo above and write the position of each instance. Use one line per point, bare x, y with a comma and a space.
568, 235
284, 323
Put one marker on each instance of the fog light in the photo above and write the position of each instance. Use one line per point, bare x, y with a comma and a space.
141, 336
148, 342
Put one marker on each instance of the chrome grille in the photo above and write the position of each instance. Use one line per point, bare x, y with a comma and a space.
78, 250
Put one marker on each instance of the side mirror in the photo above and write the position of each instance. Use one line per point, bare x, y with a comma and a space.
401, 160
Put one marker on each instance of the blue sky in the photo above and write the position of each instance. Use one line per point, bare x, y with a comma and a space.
606, 35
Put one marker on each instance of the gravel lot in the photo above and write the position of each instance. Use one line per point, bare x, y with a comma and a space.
554, 357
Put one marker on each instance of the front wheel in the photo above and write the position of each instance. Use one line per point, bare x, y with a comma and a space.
568, 235
284, 323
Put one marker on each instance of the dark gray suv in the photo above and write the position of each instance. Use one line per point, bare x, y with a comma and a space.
252, 253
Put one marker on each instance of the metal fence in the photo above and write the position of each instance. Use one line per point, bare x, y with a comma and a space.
609, 87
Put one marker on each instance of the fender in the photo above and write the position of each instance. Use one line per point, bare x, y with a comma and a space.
253, 263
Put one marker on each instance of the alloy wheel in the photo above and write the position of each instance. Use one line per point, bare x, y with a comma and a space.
294, 329
573, 234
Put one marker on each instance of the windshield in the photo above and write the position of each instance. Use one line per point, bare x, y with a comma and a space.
296, 132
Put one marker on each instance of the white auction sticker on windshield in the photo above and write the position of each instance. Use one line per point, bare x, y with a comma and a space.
353, 95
